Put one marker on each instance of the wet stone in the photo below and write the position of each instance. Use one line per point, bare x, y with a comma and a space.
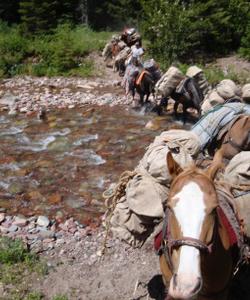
36, 195
45, 234
20, 221
55, 198
43, 221
3, 230
2, 217
16, 188
13, 228
75, 202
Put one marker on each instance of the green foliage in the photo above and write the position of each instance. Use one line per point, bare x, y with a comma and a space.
17, 267
13, 251
8, 11
13, 48
60, 297
245, 43
184, 30
34, 296
63, 52
166, 26
37, 16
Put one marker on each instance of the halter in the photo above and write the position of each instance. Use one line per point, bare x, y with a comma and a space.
168, 244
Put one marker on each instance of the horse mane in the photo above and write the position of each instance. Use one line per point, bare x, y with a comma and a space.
192, 171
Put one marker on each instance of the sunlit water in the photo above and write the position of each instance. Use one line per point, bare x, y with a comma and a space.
60, 167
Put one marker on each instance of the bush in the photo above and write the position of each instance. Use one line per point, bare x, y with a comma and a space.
13, 251
62, 52
60, 297
245, 44
13, 48
185, 30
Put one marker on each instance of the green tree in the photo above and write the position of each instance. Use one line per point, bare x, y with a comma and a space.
66, 10
38, 15
9, 11
125, 12
181, 30
166, 26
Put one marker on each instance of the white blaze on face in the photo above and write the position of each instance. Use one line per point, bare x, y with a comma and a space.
190, 214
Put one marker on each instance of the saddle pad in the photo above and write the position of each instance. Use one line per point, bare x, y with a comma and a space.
139, 79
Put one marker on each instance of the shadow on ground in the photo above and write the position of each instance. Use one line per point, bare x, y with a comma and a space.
156, 288
240, 289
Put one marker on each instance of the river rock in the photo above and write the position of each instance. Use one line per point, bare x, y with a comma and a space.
154, 124
75, 203
2, 217
9, 99
55, 198
16, 188
13, 228
61, 144
36, 195
20, 221
43, 221
46, 234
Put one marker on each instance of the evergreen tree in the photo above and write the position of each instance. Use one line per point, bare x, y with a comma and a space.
125, 12
67, 10
38, 15
9, 11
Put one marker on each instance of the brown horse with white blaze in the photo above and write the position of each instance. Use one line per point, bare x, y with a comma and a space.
197, 259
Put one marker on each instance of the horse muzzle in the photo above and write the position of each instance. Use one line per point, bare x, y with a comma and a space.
184, 286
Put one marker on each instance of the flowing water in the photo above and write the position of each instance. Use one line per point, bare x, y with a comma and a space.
60, 167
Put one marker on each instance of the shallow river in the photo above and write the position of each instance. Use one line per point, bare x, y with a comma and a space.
60, 167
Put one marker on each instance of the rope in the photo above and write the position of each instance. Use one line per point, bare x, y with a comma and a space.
111, 200
234, 186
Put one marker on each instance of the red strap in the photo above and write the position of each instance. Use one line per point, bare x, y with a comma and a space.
231, 233
157, 241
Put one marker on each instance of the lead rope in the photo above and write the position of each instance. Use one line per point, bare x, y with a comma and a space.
111, 200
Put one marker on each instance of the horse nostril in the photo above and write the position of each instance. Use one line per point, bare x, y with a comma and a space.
198, 286
175, 280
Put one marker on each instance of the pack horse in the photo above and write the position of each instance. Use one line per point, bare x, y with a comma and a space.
198, 252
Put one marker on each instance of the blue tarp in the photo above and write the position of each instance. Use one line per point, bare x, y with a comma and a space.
211, 123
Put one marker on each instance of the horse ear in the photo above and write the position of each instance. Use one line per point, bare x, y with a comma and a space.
216, 164
173, 167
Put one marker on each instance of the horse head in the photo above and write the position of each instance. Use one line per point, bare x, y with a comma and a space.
191, 227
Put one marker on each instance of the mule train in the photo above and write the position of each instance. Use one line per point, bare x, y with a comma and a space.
202, 231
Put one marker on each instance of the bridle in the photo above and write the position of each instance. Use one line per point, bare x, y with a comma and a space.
168, 243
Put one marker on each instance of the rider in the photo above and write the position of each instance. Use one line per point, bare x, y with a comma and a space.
137, 51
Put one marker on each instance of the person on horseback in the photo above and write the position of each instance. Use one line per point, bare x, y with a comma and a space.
133, 69
137, 51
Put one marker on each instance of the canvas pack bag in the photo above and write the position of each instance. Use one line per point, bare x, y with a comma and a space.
246, 93
138, 214
227, 89
123, 54
169, 81
198, 75
237, 174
